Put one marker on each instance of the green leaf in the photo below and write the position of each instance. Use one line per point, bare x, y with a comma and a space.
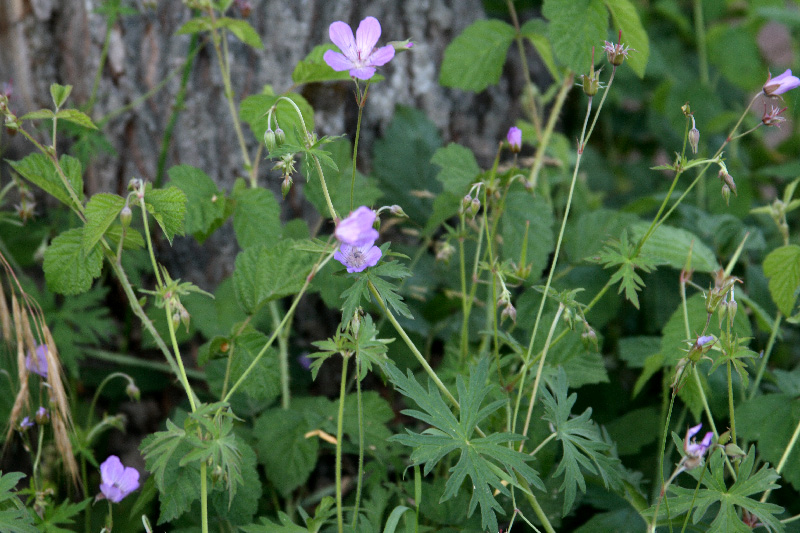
14, 517
263, 384
339, 181
242, 30
313, 68
625, 18
245, 505
584, 447
782, 267
459, 168
479, 457
67, 268
101, 211
254, 110
60, 93
76, 117
402, 163
475, 59
265, 273
63, 514
266, 526
535, 30
205, 204
575, 27
623, 254
523, 209
287, 455
40, 170
731, 498
168, 207
256, 217
38, 115
670, 246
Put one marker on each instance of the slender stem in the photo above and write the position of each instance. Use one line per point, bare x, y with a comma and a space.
700, 36
203, 496
362, 100
541, 445
283, 355
525, 70
339, 426
360, 476
538, 160
776, 326
465, 307
100, 387
534, 503
785, 456
730, 402
182, 375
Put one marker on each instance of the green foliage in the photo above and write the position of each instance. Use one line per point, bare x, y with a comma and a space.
715, 491
575, 27
671, 246
313, 68
14, 517
168, 207
287, 454
67, 268
584, 447
205, 204
254, 110
64, 514
623, 254
526, 214
388, 292
264, 273
479, 456
474, 60
256, 217
625, 18
101, 211
238, 27
363, 344
782, 267
262, 385
40, 170
60, 93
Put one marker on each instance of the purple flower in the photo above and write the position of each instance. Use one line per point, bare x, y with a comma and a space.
358, 54
357, 258
42, 416
26, 424
780, 84
705, 339
356, 229
514, 138
37, 363
118, 480
693, 449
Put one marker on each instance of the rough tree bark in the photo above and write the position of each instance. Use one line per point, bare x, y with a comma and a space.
46, 41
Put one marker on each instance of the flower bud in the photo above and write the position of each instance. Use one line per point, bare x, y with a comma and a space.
727, 179
42, 416
133, 392
270, 140
125, 216
509, 312
286, 185
466, 202
726, 193
694, 139
474, 207
732, 450
280, 136
514, 138
397, 211
401, 46
444, 251
176, 320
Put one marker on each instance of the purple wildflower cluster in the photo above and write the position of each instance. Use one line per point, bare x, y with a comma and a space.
357, 236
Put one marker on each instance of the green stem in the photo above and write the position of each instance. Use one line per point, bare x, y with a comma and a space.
283, 355
730, 403
548, 130
534, 503
339, 426
776, 325
136, 362
785, 457
465, 307
541, 445
203, 497
362, 99
700, 36
525, 70
103, 383
360, 476
182, 371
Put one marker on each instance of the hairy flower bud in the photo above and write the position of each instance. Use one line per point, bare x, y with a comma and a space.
286, 185
466, 202
280, 137
133, 392
509, 312
125, 216
474, 207
694, 139
270, 140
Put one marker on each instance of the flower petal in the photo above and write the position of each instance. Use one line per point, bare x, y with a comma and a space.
356, 229
342, 36
337, 61
372, 256
363, 73
381, 56
367, 34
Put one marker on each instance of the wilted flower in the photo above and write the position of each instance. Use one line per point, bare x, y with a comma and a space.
118, 480
616, 53
773, 117
694, 450
357, 258
26, 424
358, 54
356, 229
37, 363
694, 137
514, 138
780, 84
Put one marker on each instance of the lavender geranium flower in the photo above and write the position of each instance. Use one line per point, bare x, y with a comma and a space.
356, 229
695, 450
780, 84
37, 362
357, 258
359, 55
514, 138
118, 480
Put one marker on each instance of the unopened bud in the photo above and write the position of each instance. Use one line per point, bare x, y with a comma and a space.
466, 202
133, 392
125, 216
286, 186
726, 193
185, 318
727, 179
694, 139
176, 320
444, 250
397, 211
280, 136
474, 207
42, 416
509, 312
732, 450
402, 46
217, 474
270, 140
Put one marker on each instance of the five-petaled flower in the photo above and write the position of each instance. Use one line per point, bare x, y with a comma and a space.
36, 362
357, 258
358, 55
118, 480
780, 84
695, 450
357, 236
514, 138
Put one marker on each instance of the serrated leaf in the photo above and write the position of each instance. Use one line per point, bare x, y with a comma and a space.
584, 448
14, 517
63, 514
76, 117
38, 115
670, 246
254, 110
287, 455
263, 384
195, 25
479, 457
575, 27
242, 30
625, 18
256, 217
458, 168
535, 30
205, 203
623, 254
285, 525
475, 59
782, 267
40, 170
245, 505
265, 273
68, 269
101, 211
168, 207
60, 93
313, 68
522, 208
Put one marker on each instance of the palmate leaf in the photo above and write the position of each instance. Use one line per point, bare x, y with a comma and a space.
623, 254
480, 456
584, 447
729, 498
388, 291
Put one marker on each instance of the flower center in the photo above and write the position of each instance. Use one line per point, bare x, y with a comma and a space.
356, 257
